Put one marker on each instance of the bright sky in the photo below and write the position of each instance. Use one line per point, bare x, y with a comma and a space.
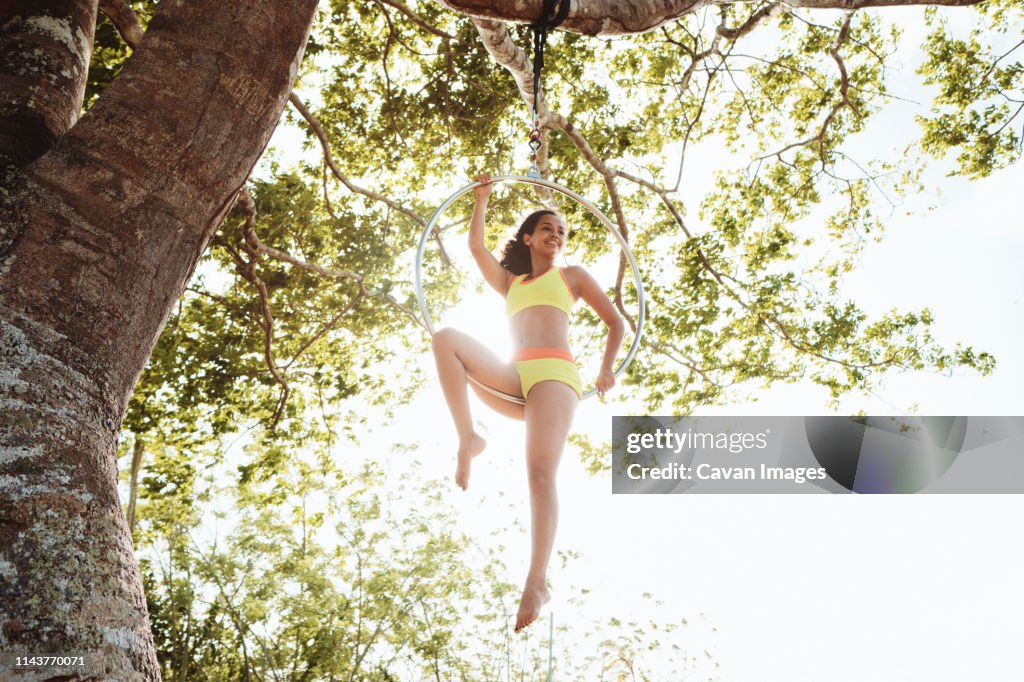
818, 588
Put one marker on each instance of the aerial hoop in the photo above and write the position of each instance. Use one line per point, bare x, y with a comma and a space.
519, 179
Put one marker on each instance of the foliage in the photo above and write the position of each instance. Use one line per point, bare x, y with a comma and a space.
353, 590
980, 89
320, 574
648, 651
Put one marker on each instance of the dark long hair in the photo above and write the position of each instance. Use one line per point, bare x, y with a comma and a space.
515, 257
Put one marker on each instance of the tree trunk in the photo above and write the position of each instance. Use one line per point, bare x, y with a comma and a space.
44, 58
98, 237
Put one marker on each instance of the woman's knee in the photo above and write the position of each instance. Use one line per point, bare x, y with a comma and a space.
444, 339
541, 478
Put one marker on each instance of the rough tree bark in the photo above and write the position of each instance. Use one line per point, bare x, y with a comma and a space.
614, 17
101, 225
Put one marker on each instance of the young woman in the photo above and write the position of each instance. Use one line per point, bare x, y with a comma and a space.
538, 300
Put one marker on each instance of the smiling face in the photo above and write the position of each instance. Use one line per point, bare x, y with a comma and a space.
548, 236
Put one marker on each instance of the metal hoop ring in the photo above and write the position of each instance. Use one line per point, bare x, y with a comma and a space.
514, 179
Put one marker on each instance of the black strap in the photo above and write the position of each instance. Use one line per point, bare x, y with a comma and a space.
552, 16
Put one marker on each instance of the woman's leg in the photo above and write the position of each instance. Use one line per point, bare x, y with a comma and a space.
549, 412
499, 404
458, 355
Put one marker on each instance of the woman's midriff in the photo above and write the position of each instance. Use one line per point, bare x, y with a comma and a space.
539, 327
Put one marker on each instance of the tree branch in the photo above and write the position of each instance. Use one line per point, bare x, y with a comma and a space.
133, 485
845, 101
329, 162
588, 17
844, 88
255, 248
318, 130
219, 299
416, 19
751, 23
248, 206
124, 20
618, 17
861, 4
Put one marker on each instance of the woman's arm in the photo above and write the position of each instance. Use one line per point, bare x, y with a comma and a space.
490, 268
590, 291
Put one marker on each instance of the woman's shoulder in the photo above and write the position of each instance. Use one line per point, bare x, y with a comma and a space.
574, 275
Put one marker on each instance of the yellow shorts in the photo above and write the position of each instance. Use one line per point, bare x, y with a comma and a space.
547, 364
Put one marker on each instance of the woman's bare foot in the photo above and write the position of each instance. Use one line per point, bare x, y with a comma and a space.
530, 604
468, 449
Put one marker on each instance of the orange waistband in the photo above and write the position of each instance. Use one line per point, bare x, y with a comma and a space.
541, 354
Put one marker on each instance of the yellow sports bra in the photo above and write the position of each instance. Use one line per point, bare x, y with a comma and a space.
547, 289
